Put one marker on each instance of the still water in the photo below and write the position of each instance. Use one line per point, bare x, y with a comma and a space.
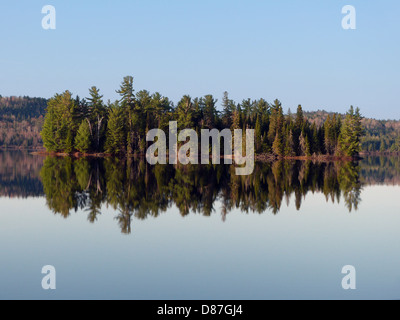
118, 229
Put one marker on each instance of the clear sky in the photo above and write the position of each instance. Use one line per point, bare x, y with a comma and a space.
296, 51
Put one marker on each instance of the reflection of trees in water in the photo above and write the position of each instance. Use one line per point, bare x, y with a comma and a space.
20, 171
383, 170
135, 189
19, 174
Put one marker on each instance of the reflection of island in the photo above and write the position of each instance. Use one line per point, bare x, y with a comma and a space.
134, 188
381, 170
19, 175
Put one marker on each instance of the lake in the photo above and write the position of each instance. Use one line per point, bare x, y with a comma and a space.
116, 229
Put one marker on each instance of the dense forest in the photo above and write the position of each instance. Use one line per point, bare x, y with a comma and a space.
303, 133
382, 136
120, 128
21, 120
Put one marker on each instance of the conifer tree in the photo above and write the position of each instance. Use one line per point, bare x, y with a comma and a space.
116, 131
227, 110
289, 145
277, 146
184, 113
96, 117
258, 137
59, 128
82, 139
127, 102
351, 133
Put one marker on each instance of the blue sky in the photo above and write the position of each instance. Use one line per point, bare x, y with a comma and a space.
295, 51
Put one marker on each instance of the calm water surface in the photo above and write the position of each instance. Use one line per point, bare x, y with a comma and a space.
126, 230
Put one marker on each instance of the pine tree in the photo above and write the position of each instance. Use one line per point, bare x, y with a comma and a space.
299, 118
59, 128
332, 131
235, 120
304, 145
227, 110
116, 131
315, 148
209, 112
289, 145
277, 146
184, 113
132, 113
258, 138
96, 117
351, 133
274, 121
82, 139
48, 132
307, 147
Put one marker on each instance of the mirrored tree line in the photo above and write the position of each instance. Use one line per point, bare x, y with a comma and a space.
135, 189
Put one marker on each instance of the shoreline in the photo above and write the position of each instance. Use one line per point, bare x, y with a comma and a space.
257, 158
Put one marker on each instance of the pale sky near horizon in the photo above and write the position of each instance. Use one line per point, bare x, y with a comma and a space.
296, 51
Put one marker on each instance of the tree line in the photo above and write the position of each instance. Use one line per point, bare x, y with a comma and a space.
21, 120
381, 136
119, 128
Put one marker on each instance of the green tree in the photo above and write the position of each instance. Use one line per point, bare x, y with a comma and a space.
258, 137
351, 133
299, 123
132, 114
82, 139
289, 145
59, 128
209, 112
96, 117
116, 131
227, 110
304, 145
276, 120
277, 146
332, 127
184, 113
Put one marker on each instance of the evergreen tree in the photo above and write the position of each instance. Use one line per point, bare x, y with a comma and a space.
351, 133
184, 113
315, 147
227, 110
289, 145
209, 112
299, 118
59, 128
276, 120
82, 139
116, 131
332, 131
132, 113
235, 120
96, 117
304, 145
258, 137
277, 146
